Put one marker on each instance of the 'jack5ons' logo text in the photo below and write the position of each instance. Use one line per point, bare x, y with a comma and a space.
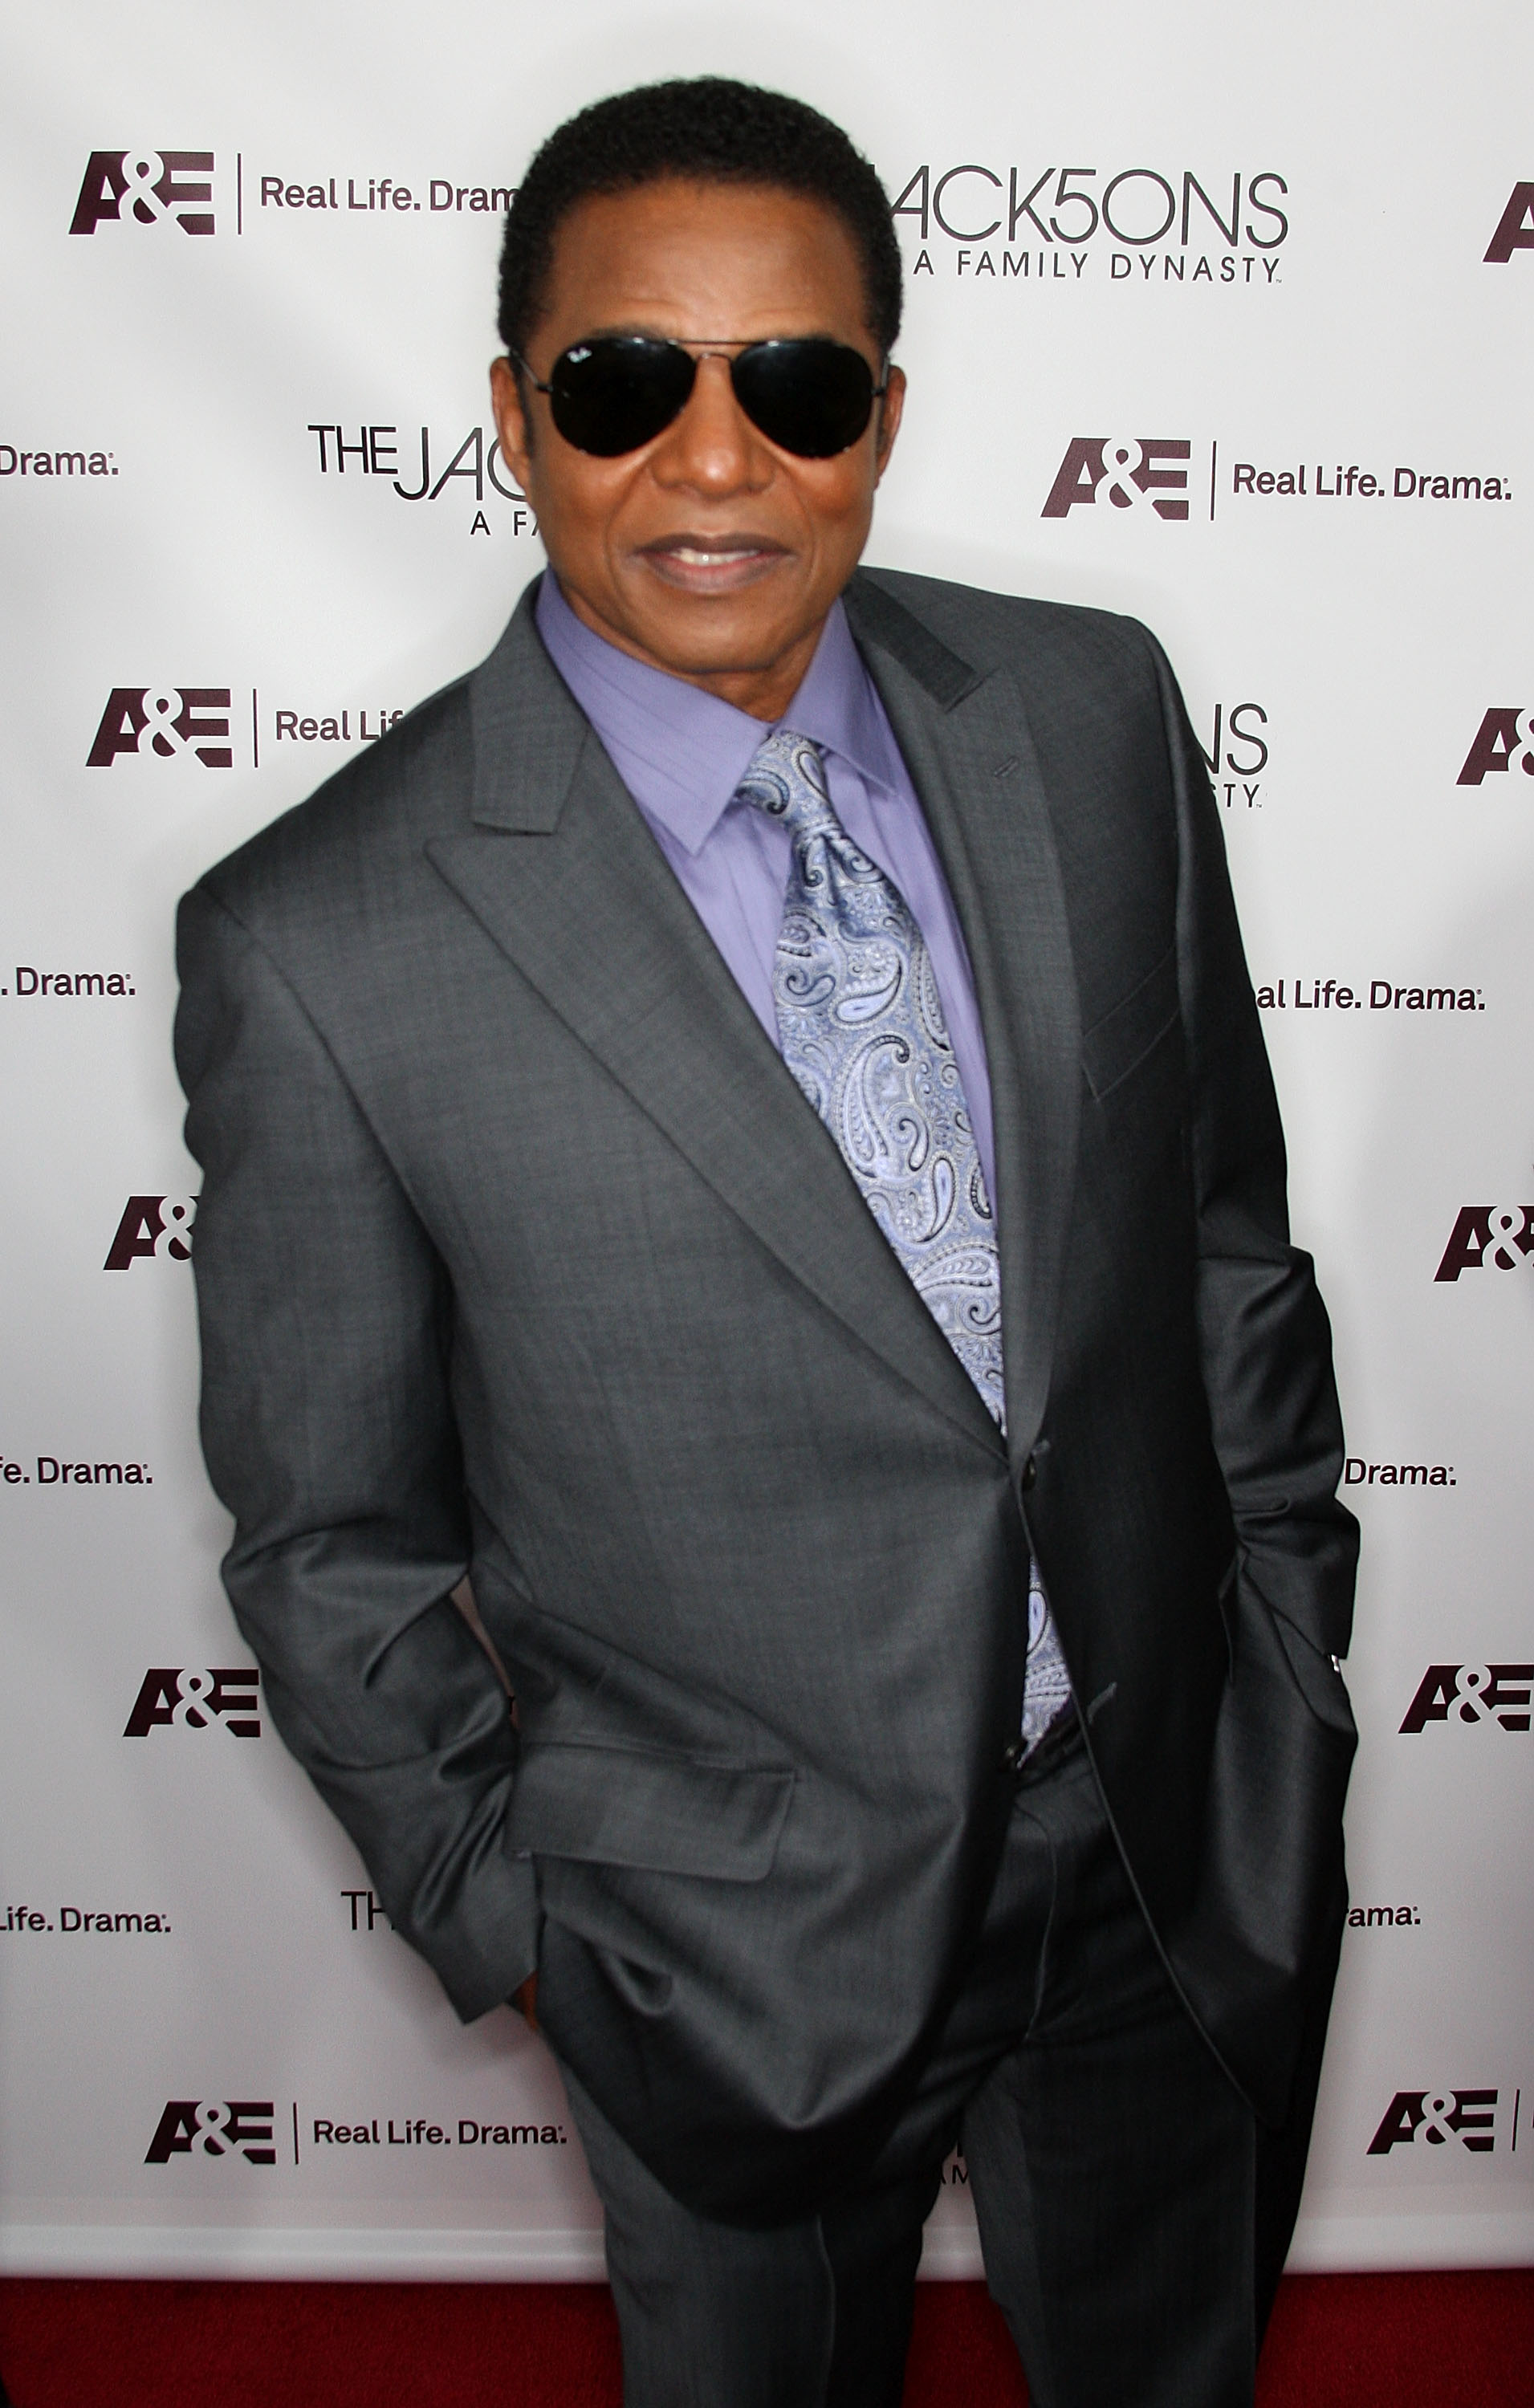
1472, 1693
1023, 226
476, 461
163, 722
1239, 748
153, 1229
172, 1699
1125, 471
218, 2127
1439, 2117
1498, 739
1514, 227
146, 188
1500, 1235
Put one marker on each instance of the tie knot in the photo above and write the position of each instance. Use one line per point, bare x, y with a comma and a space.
786, 779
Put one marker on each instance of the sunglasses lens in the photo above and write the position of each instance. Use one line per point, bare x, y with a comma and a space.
812, 398
614, 393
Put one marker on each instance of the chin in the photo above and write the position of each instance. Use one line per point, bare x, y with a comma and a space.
708, 638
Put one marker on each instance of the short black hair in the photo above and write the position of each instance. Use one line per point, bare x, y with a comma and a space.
711, 131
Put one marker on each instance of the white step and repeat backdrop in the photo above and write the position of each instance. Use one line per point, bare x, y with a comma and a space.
1221, 320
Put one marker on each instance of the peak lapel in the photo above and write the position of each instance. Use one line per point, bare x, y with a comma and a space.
568, 882
966, 741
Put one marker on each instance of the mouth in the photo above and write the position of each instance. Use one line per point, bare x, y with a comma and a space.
712, 564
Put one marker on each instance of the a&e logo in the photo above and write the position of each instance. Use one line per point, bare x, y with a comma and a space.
146, 188
1472, 1693
1514, 227
214, 2129
1500, 1235
1469, 2117
1123, 470
171, 1699
1496, 747
153, 1228
161, 722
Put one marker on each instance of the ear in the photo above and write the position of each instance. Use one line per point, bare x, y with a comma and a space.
891, 408
511, 420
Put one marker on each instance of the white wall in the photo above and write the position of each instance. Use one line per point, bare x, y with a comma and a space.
1352, 322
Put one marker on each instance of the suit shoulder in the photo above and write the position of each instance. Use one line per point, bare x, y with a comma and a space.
384, 802
1017, 631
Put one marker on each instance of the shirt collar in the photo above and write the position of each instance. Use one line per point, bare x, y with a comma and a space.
682, 753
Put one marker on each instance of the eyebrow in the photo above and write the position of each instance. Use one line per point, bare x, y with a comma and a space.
653, 334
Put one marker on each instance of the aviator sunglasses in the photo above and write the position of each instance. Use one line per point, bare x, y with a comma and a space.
809, 395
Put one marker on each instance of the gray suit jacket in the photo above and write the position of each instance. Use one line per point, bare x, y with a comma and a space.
519, 1253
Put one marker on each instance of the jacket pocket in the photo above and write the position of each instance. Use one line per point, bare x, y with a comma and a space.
656, 1814
1120, 1040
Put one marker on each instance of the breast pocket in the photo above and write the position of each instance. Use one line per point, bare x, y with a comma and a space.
1122, 1039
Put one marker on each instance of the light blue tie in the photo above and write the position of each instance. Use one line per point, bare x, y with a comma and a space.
862, 1028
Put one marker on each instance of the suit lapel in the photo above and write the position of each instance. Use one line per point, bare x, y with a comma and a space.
966, 741
564, 875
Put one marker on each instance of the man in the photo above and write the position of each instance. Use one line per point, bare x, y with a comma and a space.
742, 1126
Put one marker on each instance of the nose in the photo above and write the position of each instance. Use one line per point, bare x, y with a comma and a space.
712, 448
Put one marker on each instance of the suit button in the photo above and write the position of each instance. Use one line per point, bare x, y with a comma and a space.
1030, 1473
1012, 1756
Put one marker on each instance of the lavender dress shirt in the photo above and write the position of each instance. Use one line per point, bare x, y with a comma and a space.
682, 753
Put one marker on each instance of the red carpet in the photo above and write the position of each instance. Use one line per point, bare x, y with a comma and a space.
1338, 2341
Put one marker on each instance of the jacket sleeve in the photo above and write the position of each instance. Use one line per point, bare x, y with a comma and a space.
329, 1432
1264, 1334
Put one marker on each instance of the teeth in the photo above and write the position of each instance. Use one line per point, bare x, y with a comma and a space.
703, 559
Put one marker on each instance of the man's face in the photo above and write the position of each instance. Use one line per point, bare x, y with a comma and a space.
709, 552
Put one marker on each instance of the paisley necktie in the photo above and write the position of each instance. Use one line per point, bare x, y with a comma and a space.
862, 1029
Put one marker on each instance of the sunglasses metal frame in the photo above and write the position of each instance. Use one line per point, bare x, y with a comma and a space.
718, 346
